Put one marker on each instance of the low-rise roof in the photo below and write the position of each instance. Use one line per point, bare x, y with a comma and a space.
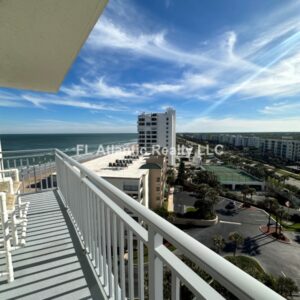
101, 166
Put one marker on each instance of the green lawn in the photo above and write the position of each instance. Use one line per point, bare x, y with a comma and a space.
292, 227
287, 226
248, 264
193, 209
290, 174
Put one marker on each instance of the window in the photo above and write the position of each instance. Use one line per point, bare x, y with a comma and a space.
158, 179
158, 189
158, 198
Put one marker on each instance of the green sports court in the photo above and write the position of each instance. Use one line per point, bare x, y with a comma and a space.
232, 176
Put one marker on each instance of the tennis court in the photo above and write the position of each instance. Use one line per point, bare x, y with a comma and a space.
227, 174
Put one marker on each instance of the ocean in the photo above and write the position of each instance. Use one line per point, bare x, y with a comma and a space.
64, 142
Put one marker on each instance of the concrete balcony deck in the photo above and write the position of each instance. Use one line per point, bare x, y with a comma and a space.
52, 265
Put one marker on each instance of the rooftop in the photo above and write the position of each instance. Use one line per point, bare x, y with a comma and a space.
101, 166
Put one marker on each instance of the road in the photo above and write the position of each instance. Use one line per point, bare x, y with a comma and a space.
275, 257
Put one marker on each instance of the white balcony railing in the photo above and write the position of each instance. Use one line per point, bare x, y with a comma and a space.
117, 244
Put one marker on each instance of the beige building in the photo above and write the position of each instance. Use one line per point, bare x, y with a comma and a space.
157, 166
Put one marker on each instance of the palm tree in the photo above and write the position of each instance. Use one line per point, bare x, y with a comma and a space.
284, 178
213, 196
237, 240
219, 242
272, 205
252, 191
245, 192
282, 214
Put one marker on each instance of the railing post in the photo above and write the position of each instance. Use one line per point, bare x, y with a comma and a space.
34, 175
155, 266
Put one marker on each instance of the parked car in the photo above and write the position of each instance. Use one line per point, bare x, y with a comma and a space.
231, 205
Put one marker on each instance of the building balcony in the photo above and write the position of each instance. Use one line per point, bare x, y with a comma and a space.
82, 243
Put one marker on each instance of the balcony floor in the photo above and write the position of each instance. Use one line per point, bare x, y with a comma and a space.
52, 265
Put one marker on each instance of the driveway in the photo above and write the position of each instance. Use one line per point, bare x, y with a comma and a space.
275, 257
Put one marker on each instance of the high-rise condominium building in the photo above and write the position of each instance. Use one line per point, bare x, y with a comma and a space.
158, 129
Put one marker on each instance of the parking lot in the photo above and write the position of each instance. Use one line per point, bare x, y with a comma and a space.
275, 257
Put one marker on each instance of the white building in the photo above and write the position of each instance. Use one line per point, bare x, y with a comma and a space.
127, 177
287, 149
158, 129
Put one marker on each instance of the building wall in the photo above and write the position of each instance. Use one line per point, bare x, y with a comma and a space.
157, 181
287, 149
158, 129
136, 188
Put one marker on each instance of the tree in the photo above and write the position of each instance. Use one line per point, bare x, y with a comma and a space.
206, 177
237, 240
170, 177
208, 198
285, 286
213, 196
181, 173
284, 178
252, 191
219, 242
272, 205
245, 192
201, 190
281, 214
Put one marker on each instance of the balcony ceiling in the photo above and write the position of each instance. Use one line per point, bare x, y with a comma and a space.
39, 40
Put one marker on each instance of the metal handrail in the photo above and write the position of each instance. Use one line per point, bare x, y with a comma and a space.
231, 277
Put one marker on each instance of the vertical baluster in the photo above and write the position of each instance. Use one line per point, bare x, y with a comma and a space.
40, 176
175, 286
96, 232
88, 216
130, 264
155, 266
15, 163
115, 256
104, 243
46, 175
99, 243
51, 179
80, 206
109, 259
141, 269
122, 263
84, 209
93, 228
35, 180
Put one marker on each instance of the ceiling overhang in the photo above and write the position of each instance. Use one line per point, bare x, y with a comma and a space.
39, 40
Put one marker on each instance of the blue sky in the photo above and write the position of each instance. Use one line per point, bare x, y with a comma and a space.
223, 65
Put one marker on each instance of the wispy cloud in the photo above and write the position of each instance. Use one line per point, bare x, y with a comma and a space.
208, 124
98, 88
281, 108
111, 34
42, 102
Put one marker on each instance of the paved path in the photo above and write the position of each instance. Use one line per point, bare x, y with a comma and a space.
275, 257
